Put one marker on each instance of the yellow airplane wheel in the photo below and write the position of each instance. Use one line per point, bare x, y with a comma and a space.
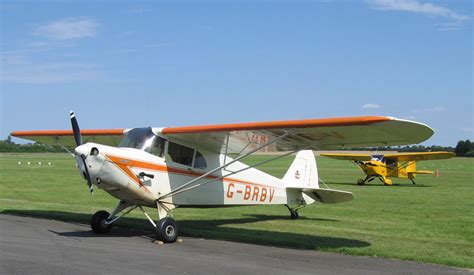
360, 182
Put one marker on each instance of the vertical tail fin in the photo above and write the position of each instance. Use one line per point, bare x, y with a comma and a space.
302, 182
303, 172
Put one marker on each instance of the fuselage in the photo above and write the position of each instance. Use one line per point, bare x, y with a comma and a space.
388, 169
143, 175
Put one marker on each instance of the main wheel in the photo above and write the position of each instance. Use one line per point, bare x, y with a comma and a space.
360, 182
98, 224
167, 230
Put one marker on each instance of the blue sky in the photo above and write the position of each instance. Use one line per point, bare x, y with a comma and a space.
171, 63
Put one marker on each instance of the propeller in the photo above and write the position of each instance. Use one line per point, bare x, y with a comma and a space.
88, 177
75, 129
78, 138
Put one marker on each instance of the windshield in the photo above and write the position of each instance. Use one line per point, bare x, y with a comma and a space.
378, 157
138, 138
144, 139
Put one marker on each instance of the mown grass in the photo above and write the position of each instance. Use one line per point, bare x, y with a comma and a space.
432, 221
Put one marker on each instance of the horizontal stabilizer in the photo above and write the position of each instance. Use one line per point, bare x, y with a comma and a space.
324, 195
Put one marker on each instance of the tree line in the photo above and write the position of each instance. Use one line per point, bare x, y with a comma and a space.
464, 148
8, 146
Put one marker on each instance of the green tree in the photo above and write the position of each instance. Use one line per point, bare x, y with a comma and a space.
463, 147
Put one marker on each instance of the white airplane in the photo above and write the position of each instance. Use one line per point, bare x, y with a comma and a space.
171, 167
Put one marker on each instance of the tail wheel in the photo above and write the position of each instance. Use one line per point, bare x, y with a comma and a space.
294, 215
98, 224
167, 230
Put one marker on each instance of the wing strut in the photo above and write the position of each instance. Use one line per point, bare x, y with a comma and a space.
182, 187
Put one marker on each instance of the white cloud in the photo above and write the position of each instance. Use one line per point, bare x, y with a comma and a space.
417, 6
66, 29
371, 106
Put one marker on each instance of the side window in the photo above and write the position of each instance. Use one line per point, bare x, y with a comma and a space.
180, 154
158, 147
391, 162
199, 161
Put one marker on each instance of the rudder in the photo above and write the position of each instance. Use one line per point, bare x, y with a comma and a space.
303, 172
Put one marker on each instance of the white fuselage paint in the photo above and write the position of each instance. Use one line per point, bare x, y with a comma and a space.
117, 170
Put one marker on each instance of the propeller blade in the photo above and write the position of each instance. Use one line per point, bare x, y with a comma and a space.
75, 129
89, 181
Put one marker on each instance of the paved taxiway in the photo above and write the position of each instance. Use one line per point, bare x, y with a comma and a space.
31, 245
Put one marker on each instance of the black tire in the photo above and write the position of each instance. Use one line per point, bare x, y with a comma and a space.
360, 182
167, 230
98, 222
294, 215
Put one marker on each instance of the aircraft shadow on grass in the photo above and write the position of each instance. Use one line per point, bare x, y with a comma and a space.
208, 229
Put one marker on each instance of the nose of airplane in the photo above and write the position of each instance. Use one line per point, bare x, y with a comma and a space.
82, 150
89, 158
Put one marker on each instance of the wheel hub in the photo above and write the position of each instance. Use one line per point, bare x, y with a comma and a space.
169, 230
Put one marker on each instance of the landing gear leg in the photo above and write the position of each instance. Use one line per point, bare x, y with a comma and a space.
412, 181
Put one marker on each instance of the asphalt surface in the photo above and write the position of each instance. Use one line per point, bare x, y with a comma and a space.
40, 246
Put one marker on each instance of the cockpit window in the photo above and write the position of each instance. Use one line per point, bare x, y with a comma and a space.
391, 162
200, 161
157, 147
378, 157
181, 154
137, 138
144, 139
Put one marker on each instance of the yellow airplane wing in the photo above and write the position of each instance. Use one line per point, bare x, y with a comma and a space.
417, 156
361, 157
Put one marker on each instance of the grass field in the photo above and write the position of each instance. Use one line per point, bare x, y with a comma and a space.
432, 221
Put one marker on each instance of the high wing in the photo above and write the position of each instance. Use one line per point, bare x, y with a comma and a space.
327, 133
65, 137
417, 156
359, 157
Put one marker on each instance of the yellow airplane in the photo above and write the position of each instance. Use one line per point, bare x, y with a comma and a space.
398, 165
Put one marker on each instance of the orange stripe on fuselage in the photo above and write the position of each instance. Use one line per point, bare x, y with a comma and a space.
126, 169
162, 168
